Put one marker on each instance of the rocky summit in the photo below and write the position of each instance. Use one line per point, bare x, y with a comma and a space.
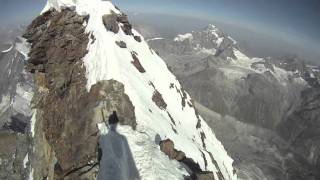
75, 65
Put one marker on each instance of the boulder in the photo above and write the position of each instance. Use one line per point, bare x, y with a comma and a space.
110, 22
121, 44
137, 38
167, 147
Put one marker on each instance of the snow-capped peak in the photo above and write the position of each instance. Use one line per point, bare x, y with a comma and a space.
123, 57
183, 37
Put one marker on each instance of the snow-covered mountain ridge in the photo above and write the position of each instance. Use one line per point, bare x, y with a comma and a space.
198, 45
86, 60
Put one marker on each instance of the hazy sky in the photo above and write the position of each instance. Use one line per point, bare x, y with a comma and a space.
295, 21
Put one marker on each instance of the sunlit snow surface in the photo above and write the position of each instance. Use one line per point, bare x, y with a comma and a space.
182, 37
105, 61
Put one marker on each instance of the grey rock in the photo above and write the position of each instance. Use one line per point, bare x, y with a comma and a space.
121, 44
13, 150
110, 22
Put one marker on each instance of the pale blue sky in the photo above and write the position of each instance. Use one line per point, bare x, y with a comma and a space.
295, 21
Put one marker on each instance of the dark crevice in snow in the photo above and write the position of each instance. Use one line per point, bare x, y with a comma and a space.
173, 129
203, 137
172, 120
151, 84
204, 159
219, 174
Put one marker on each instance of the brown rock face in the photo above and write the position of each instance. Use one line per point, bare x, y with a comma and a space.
126, 26
67, 113
137, 63
13, 149
157, 98
205, 176
114, 99
110, 22
167, 147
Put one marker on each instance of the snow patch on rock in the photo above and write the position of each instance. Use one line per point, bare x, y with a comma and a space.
183, 37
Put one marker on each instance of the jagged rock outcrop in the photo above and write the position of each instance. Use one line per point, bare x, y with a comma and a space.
64, 106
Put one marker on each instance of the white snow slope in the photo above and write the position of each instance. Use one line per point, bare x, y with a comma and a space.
106, 61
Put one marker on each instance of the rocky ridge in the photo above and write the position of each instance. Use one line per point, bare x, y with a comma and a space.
68, 98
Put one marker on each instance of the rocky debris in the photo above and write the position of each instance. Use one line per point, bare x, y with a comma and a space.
13, 150
167, 147
158, 100
121, 44
63, 104
137, 63
110, 22
137, 38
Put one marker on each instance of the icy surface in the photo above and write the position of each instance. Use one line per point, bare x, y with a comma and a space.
106, 61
